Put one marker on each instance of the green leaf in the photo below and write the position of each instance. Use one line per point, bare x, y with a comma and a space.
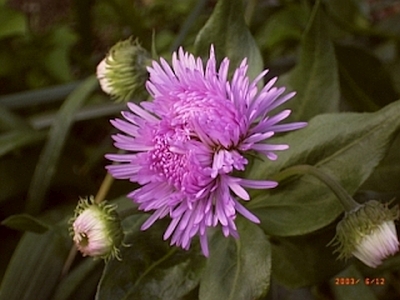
12, 23
227, 30
14, 140
36, 265
81, 282
284, 26
51, 153
9, 120
304, 260
237, 269
385, 177
150, 268
25, 222
346, 146
315, 77
365, 91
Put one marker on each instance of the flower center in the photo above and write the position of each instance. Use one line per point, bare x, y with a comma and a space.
83, 239
216, 116
168, 159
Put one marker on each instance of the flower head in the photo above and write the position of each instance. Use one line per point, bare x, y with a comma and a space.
184, 146
96, 229
122, 72
368, 233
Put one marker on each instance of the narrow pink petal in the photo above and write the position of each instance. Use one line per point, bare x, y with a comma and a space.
246, 213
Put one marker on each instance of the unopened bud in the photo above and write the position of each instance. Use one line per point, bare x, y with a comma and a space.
123, 72
96, 229
368, 233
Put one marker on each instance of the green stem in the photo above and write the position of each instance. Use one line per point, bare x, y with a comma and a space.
104, 188
345, 199
105, 185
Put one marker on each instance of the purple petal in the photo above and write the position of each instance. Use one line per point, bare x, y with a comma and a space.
245, 213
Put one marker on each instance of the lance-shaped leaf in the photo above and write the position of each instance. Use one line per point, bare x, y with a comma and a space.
52, 150
26, 222
81, 282
237, 269
36, 265
315, 77
346, 146
16, 139
227, 30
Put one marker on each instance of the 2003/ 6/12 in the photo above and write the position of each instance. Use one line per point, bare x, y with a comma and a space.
354, 281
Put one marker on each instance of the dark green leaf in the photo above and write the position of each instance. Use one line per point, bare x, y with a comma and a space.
346, 146
315, 77
237, 269
364, 82
51, 153
36, 265
150, 268
81, 282
284, 26
14, 140
227, 30
9, 120
304, 260
25, 222
39, 97
386, 176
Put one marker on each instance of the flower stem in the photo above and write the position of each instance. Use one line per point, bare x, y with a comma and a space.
69, 261
345, 199
104, 188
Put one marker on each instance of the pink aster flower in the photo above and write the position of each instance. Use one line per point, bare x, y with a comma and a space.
184, 146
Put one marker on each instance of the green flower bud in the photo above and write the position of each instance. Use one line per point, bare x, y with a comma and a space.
123, 72
96, 229
368, 233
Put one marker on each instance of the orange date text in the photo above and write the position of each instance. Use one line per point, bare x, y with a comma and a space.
374, 281
346, 281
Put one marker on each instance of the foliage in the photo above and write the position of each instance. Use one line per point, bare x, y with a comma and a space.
342, 60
